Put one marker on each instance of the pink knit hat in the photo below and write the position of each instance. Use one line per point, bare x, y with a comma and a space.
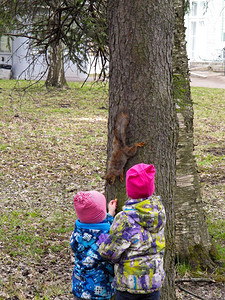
90, 206
140, 181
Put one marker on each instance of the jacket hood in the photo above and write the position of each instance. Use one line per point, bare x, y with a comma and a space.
148, 212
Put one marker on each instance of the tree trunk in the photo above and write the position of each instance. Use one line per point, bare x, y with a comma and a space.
56, 74
192, 237
141, 42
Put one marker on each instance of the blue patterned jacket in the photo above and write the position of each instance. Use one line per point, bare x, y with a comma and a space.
92, 274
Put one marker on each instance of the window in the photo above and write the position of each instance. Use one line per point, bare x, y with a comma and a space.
194, 7
202, 8
193, 38
5, 44
198, 8
223, 24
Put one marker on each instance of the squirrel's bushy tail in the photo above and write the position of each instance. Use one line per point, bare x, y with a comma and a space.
121, 123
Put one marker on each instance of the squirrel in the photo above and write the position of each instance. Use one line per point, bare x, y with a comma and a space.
120, 151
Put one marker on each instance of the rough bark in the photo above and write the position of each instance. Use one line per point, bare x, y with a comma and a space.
56, 74
192, 237
141, 43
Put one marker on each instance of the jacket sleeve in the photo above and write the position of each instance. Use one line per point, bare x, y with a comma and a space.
73, 240
118, 240
109, 218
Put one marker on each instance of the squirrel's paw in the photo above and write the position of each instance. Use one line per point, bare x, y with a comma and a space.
121, 177
110, 179
141, 144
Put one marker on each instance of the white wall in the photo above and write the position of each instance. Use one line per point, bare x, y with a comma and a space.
205, 27
21, 62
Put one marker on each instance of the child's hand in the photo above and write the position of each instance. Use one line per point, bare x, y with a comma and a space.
112, 207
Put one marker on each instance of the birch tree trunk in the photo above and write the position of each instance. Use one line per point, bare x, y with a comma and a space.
192, 238
141, 43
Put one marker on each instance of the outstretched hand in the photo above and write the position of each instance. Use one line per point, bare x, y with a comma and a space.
112, 207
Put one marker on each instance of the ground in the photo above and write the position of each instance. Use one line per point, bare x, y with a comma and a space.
207, 290
208, 79
53, 144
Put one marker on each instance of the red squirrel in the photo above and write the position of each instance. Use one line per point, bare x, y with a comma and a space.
120, 151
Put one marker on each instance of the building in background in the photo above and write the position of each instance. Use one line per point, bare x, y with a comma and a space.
205, 34
20, 62
5, 59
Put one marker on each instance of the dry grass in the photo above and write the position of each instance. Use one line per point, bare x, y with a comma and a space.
52, 144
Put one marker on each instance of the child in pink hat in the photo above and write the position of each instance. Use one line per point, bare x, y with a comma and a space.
140, 181
136, 239
92, 275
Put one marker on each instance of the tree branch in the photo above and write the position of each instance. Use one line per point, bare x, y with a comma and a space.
195, 280
187, 291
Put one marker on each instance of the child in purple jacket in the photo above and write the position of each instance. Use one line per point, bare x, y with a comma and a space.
136, 239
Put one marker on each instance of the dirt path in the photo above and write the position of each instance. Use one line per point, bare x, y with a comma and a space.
207, 79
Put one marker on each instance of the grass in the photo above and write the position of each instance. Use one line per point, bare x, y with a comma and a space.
183, 269
53, 144
209, 129
217, 231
